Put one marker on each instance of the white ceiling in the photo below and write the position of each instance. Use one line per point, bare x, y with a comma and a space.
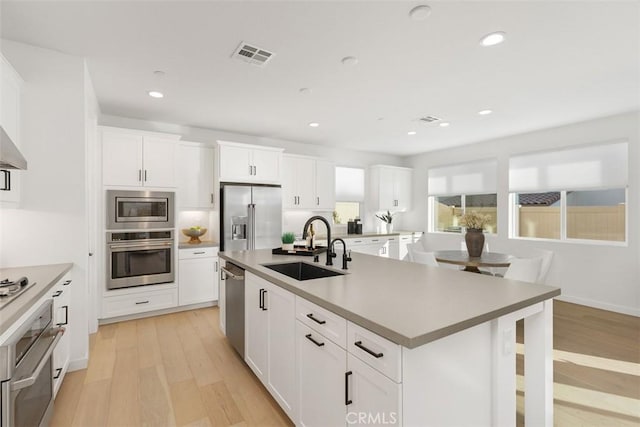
562, 62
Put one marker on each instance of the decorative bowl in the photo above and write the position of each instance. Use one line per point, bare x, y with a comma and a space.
194, 234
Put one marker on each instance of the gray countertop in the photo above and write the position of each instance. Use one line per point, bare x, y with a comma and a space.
44, 277
410, 304
202, 244
366, 234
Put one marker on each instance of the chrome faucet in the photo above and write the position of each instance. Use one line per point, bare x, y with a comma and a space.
323, 219
345, 257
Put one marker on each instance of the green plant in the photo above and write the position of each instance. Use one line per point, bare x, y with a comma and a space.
388, 217
474, 220
288, 237
336, 217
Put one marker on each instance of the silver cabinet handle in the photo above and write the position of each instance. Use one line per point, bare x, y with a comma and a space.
145, 175
198, 253
318, 201
255, 170
140, 175
232, 275
211, 198
18, 385
216, 266
250, 170
142, 302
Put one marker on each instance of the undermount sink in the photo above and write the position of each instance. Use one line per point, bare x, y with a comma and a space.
302, 270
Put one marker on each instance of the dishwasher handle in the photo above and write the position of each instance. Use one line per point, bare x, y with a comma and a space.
232, 274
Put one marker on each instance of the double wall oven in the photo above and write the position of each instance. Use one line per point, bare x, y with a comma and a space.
26, 372
140, 238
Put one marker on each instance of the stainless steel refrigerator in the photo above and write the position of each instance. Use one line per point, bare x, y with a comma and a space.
250, 217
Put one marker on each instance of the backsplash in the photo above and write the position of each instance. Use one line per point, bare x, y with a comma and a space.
206, 219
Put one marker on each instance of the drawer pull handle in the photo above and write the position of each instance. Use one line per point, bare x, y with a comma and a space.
198, 253
371, 352
347, 401
319, 344
66, 282
321, 322
58, 372
142, 302
66, 316
56, 294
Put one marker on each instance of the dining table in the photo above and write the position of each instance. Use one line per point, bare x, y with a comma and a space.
473, 264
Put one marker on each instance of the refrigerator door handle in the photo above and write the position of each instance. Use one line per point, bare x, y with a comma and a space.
249, 226
253, 226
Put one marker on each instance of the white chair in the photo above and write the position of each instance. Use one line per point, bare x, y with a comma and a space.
546, 257
426, 258
411, 248
524, 269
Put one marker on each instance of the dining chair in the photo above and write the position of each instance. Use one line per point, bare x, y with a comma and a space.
426, 258
547, 257
524, 269
411, 248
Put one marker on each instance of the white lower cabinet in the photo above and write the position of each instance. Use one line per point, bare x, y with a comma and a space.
61, 295
198, 275
321, 379
128, 303
270, 339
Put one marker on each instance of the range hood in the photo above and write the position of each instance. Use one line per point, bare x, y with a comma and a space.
10, 156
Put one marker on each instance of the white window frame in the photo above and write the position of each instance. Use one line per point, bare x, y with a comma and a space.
431, 212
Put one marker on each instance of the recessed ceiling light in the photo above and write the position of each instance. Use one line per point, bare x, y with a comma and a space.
419, 13
411, 132
304, 90
444, 124
485, 112
349, 61
159, 73
155, 94
492, 39
314, 124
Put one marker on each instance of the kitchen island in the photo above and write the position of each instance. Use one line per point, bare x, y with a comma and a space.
454, 332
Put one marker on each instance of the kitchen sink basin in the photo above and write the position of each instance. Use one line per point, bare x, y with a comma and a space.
302, 270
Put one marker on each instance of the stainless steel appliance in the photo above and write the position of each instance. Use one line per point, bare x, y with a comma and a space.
139, 209
11, 289
26, 371
250, 217
137, 258
234, 305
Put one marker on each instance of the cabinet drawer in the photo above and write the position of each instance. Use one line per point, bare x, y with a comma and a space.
322, 321
377, 352
198, 253
122, 305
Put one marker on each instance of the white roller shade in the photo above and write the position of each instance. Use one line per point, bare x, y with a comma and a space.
349, 184
592, 167
467, 178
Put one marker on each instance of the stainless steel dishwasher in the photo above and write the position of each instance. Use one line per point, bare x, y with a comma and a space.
234, 305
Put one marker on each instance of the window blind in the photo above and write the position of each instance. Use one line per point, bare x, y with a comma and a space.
467, 178
587, 167
349, 184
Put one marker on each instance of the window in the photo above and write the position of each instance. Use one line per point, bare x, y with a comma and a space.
585, 197
459, 188
349, 194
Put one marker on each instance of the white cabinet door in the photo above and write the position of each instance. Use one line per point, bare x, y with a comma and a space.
280, 308
195, 176
321, 379
122, 158
373, 394
405, 239
159, 160
325, 185
197, 281
306, 180
61, 295
386, 189
289, 182
402, 188
234, 163
266, 165
256, 326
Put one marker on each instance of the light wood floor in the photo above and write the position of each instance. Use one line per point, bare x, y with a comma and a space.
178, 369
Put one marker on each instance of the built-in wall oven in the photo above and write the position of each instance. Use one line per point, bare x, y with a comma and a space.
138, 258
127, 210
26, 372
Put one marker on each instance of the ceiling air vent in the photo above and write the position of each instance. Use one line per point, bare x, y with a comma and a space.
252, 54
428, 119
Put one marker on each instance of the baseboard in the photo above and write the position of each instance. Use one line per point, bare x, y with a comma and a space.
156, 312
601, 305
76, 365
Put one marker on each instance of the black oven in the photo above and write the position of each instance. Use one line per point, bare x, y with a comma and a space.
139, 209
139, 258
26, 372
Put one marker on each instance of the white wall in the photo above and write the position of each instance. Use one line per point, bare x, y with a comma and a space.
291, 220
604, 276
51, 226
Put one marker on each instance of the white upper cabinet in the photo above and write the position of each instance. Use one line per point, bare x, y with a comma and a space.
10, 90
390, 188
133, 158
308, 183
249, 163
195, 176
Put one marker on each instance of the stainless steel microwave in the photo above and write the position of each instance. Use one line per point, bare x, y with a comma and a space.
139, 209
